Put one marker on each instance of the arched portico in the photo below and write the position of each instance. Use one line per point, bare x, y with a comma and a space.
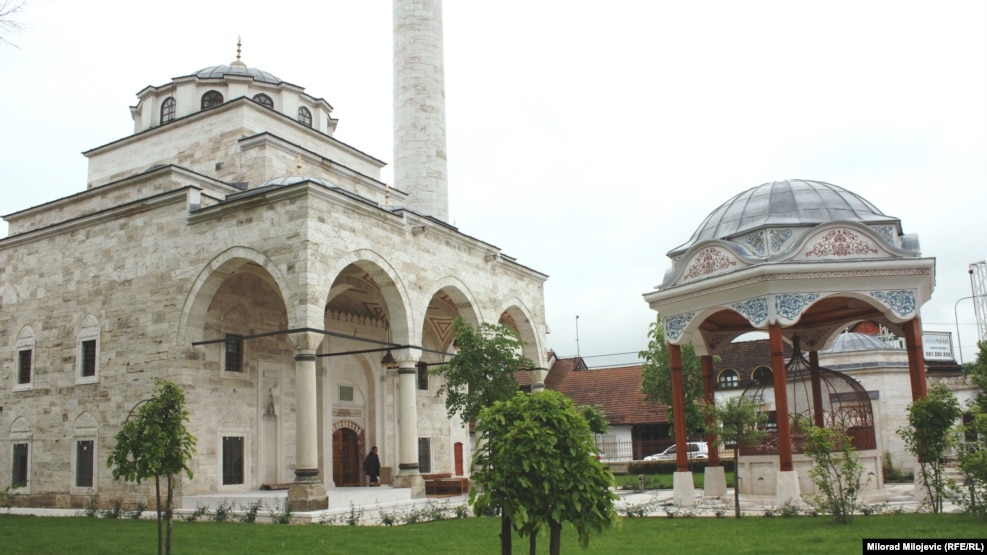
796, 259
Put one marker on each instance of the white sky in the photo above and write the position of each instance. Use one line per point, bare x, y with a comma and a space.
585, 138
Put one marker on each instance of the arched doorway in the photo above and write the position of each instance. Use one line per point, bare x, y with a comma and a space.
345, 457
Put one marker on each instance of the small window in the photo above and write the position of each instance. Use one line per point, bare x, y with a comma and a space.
728, 378
25, 357
264, 100
763, 375
84, 463
232, 460
346, 393
88, 358
424, 455
168, 110
234, 353
304, 116
211, 98
423, 376
20, 465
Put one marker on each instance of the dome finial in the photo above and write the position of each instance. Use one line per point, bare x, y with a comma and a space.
238, 62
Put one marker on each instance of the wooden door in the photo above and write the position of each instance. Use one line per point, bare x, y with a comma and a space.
345, 458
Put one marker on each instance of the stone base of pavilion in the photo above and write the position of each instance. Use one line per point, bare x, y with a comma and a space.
761, 475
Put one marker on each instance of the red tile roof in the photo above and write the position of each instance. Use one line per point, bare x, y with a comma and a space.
617, 390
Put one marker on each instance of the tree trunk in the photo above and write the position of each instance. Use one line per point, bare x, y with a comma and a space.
505, 534
168, 512
555, 538
157, 507
736, 481
533, 543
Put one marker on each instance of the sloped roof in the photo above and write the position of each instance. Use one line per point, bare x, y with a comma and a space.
617, 390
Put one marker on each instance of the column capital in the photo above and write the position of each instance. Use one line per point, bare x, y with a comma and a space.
306, 341
407, 357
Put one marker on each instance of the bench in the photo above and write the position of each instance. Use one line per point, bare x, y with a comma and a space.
445, 484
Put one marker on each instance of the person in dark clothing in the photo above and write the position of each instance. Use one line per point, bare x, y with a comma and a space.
371, 466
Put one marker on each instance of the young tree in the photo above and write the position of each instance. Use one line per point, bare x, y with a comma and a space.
737, 421
536, 462
153, 443
482, 371
656, 378
972, 455
928, 437
837, 471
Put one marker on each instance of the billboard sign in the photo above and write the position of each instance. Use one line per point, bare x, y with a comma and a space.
938, 345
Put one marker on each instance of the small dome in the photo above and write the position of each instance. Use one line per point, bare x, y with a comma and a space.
789, 203
851, 342
237, 68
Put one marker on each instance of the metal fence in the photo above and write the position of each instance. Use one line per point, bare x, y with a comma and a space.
621, 451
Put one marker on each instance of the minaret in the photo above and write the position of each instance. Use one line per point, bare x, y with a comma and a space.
419, 107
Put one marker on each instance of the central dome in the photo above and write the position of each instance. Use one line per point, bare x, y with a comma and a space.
237, 68
789, 203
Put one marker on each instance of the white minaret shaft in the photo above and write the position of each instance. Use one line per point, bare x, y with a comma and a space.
420, 107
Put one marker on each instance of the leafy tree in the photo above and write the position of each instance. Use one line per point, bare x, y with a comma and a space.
656, 378
154, 442
596, 417
972, 457
536, 463
978, 375
837, 471
737, 421
928, 437
482, 371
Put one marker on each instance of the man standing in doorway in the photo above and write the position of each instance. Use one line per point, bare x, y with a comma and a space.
371, 466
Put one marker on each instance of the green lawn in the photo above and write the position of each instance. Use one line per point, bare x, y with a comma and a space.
754, 535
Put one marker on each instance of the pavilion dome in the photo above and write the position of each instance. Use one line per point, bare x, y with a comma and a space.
789, 203
239, 69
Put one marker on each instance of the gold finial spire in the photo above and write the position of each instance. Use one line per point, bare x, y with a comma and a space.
238, 61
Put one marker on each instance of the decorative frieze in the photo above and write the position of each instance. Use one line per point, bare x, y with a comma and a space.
840, 242
901, 302
791, 305
755, 310
709, 261
675, 325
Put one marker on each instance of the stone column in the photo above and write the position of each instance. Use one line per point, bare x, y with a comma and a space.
307, 493
684, 490
408, 475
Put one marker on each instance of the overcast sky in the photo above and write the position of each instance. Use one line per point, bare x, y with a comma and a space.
586, 139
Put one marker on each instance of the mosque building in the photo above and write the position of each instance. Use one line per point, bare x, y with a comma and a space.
233, 246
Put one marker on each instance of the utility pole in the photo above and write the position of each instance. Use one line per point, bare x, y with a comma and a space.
577, 335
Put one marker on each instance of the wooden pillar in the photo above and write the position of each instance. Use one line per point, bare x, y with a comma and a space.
709, 381
817, 404
777, 347
678, 407
916, 358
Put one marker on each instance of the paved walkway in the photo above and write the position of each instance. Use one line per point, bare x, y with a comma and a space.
386, 504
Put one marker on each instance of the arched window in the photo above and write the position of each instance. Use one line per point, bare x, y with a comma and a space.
211, 98
304, 116
168, 110
763, 375
728, 378
264, 100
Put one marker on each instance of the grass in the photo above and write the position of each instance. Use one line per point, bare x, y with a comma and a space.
41, 535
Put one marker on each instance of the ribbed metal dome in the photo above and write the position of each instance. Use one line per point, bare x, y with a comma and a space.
237, 68
851, 342
790, 203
